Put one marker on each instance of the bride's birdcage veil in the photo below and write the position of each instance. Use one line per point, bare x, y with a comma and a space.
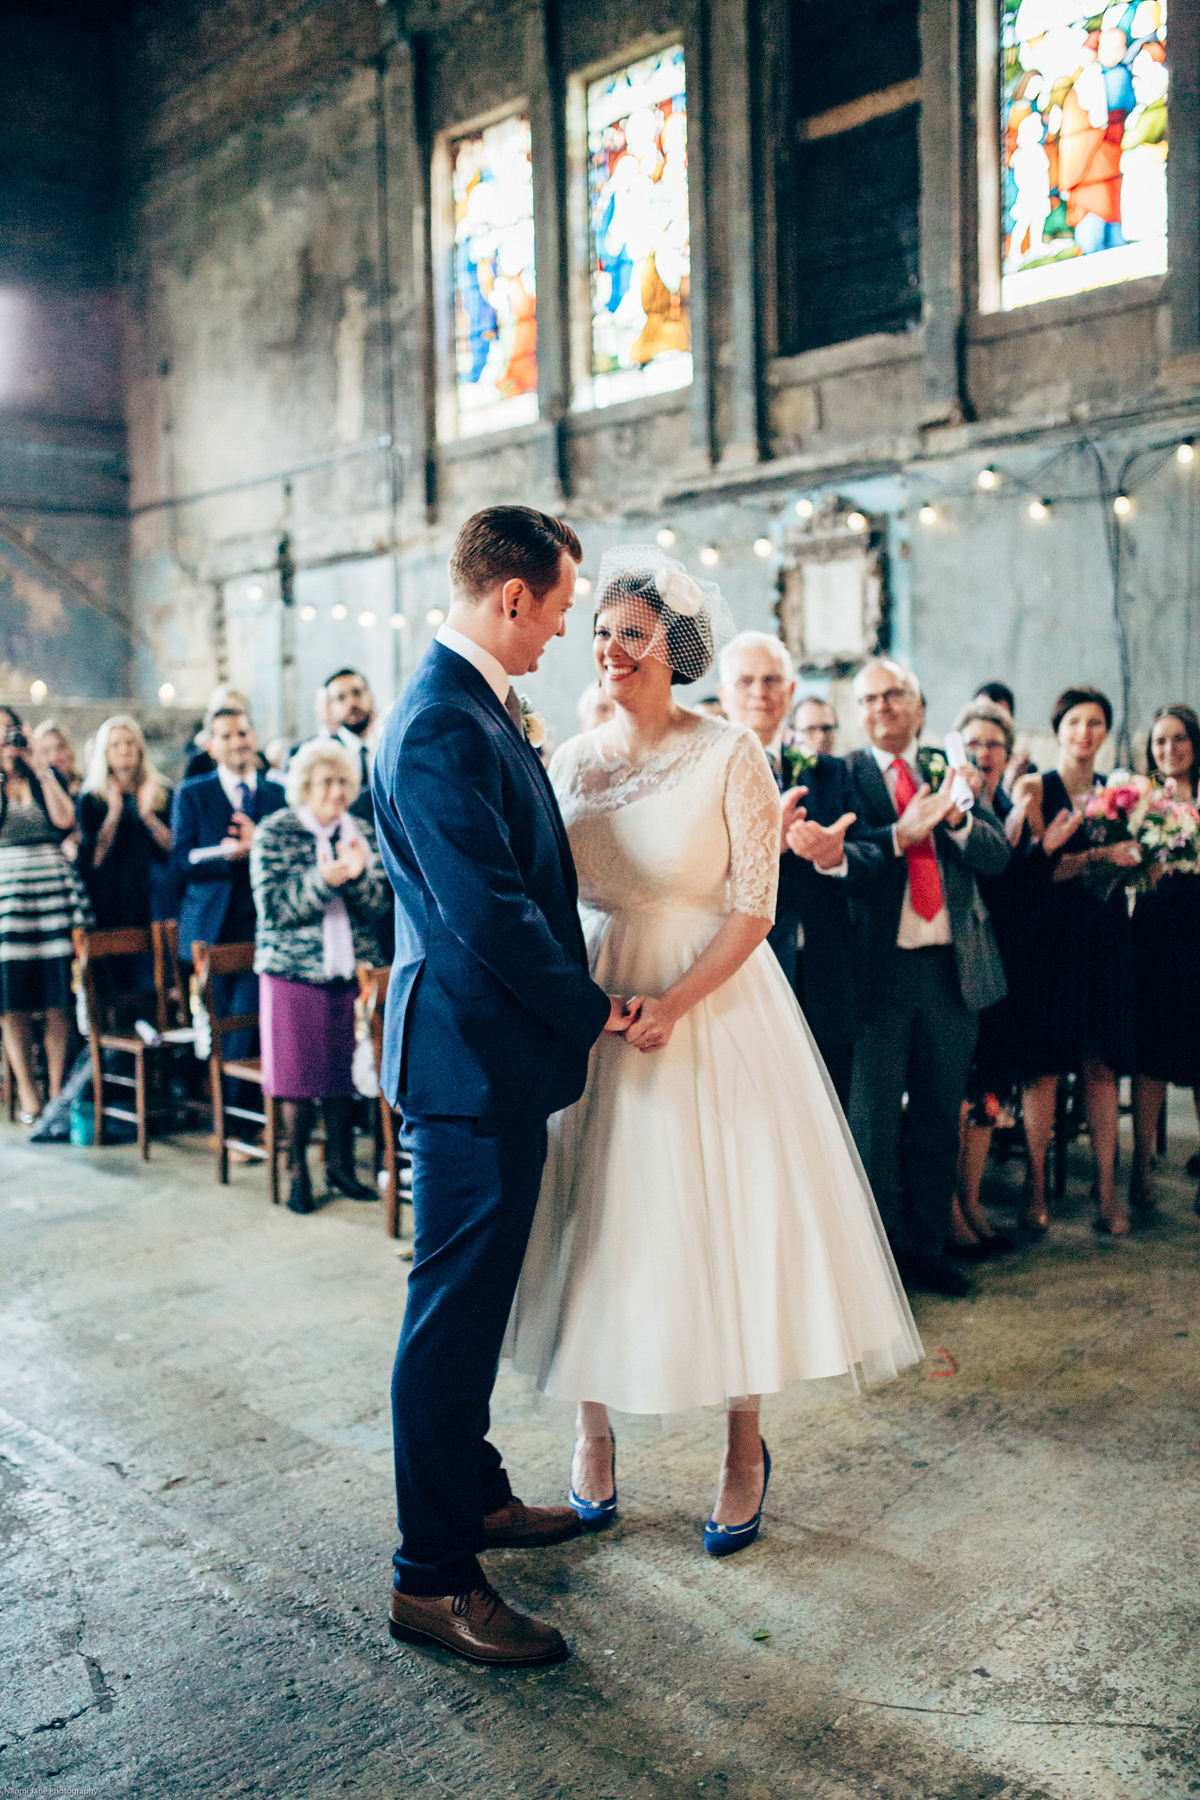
696, 621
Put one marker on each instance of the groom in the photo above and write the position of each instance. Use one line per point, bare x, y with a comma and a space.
490, 1018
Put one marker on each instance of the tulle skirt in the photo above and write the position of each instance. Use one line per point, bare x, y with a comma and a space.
704, 1228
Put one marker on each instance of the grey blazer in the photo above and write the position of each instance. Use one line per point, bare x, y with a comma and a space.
877, 914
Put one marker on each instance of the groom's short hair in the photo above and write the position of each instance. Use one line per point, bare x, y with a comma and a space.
505, 543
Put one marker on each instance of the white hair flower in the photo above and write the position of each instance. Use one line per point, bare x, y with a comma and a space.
681, 592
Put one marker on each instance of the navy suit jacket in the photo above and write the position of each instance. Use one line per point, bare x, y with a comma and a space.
490, 1008
212, 896
824, 973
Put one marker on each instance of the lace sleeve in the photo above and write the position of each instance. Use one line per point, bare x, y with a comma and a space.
752, 819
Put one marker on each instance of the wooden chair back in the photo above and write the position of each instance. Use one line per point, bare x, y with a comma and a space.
210, 961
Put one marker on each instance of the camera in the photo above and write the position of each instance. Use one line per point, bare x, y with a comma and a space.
15, 738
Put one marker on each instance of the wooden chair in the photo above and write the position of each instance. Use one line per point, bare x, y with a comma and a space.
170, 992
394, 1162
209, 961
109, 1016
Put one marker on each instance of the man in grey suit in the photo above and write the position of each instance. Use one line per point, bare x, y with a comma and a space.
929, 965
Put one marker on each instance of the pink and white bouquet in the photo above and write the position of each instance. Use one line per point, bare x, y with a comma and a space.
1166, 830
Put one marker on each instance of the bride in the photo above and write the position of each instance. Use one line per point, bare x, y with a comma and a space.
704, 1232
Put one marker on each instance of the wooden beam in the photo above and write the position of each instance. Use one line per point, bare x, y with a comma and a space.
860, 112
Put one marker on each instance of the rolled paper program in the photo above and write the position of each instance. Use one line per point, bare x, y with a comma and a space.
960, 787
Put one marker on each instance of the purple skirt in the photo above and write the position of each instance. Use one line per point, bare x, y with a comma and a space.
307, 1038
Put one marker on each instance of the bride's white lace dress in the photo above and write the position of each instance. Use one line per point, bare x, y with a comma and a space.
704, 1228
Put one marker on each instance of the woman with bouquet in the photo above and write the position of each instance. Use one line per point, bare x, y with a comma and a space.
1166, 943
1080, 1014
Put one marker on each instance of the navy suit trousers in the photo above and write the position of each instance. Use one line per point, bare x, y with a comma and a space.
475, 1188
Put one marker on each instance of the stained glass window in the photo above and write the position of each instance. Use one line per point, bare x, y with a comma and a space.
495, 299
641, 341
1083, 146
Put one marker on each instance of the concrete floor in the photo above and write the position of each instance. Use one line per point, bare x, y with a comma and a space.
971, 1584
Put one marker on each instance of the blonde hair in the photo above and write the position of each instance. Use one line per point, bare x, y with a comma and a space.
309, 757
51, 727
98, 770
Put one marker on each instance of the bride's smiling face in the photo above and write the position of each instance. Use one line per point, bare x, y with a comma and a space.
630, 649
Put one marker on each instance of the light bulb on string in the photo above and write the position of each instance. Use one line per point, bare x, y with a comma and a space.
856, 521
366, 620
1122, 506
339, 612
928, 515
583, 584
166, 693
399, 622
1039, 509
987, 479
1186, 452
308, 614
434, 616
38, 690
763, 546
804, 509
710, 556
664, 537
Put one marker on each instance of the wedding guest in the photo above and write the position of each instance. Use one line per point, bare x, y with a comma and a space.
816, 725
62, 754
1166, 950
351, 718
930, 966
124, 820
203, 761
1080, 1011
1020, 761
992, 1083
213, 819
320, 895
822, 862
593, 707
40, 902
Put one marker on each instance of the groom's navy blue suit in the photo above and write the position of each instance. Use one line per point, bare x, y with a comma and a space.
490, 1017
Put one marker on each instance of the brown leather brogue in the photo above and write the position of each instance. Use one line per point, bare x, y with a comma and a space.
520, 1527
478, 1626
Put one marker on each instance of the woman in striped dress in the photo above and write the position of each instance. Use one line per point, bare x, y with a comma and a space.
39, 903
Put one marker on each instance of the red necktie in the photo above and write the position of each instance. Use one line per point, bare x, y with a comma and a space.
924, 882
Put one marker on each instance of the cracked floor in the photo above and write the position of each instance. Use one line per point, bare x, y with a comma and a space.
978, 1585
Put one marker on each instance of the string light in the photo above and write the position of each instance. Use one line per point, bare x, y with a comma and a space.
1039, 509
339, 611
434, 616
582, 585
928, 515
1186, 452
856, 521
805, 509
763, 546
254, 593
366, 620
1122, 506
665, 537
399, 622
710, 556
166, 692
38, 690
308, 614
987, 479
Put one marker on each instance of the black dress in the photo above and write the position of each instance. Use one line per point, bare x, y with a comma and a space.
996, 1065
123, 888
1079, 962
1166, 961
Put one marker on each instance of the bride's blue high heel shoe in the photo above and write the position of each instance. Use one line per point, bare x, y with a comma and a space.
723, 1540
594, 1515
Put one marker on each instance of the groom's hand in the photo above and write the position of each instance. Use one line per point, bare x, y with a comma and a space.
620, 1017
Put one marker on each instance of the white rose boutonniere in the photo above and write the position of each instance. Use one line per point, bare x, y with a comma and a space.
535, 725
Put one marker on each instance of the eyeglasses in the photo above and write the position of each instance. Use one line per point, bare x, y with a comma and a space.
818, 731
772, 683
888, 697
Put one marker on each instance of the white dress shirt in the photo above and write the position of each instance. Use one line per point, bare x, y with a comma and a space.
362, 750
493, 672
916, 933
230, 783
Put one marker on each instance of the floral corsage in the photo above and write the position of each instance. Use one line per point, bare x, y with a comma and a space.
796, 761
933, 766
535, 725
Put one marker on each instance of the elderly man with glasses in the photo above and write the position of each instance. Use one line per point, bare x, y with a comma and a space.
929, 966
822, 859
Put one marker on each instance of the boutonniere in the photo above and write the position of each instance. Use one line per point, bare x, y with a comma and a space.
796, 761
933, 766
535, 725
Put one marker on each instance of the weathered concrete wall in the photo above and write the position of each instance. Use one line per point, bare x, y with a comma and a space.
266, 148
63, 548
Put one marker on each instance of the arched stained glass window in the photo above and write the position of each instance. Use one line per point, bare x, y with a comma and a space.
1083, 146
495, 298
639, 235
